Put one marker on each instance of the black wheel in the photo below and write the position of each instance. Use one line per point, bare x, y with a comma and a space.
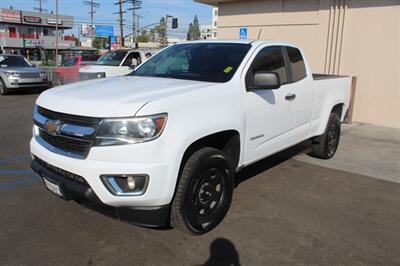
204, 192
325, 146
3, 88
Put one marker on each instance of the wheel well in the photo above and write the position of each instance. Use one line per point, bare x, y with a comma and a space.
227, 141
338, 109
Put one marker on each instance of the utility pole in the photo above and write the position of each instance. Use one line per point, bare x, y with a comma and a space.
121, 19
92, 4
166, 27
40, 9
136, 4
56, 33
138, 25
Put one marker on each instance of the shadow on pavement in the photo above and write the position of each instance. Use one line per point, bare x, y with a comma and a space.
222, 253
270, 162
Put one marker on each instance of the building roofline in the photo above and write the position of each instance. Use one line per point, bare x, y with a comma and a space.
214, 2
42, 19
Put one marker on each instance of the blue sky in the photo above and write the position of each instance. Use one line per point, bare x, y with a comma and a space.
151, 12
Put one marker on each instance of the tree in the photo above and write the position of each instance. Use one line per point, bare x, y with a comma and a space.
161, 30
194, 30
152, 35
143, 37
97, 43
190, 32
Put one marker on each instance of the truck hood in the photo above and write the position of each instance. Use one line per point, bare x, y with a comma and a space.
113, 97
22, 69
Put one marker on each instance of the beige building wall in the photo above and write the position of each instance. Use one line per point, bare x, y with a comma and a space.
349, 37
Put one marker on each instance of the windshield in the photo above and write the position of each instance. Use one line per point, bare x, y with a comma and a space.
212, 62
111, 58
71, 62
13, 61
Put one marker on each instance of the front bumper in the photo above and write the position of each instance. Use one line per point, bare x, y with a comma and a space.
15, 83
156, 159
154, 216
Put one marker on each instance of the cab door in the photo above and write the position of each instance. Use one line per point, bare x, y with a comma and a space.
270, 113
304, 86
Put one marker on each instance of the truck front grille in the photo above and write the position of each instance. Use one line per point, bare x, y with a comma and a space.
65, 134
67, 144
87, 76
28, 75
67, 118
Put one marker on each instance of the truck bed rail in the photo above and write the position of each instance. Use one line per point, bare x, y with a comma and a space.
317, 76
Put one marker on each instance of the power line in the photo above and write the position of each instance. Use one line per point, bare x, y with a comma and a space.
121, 19
40, 9
92, 6
136, 5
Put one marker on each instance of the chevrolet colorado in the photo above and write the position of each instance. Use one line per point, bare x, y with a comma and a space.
160, 147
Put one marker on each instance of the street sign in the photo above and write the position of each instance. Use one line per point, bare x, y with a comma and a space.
113, 40
243, 33
103, 31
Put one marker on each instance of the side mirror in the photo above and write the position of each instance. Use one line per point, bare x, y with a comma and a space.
263, 80
33, 64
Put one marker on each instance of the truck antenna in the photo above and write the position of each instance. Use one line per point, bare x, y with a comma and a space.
259, 34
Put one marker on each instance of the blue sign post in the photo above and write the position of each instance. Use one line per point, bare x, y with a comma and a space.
104, 31
113, 40
243, 33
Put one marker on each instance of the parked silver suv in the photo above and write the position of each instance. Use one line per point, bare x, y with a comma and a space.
16, 73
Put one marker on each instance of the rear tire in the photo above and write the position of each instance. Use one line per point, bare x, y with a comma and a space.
325, 146
3, 88
204, 192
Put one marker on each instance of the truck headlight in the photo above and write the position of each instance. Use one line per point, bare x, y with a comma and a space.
13, 74
101, 75
121, 131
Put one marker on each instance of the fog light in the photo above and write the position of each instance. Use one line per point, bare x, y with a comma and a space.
131, 182
126, 185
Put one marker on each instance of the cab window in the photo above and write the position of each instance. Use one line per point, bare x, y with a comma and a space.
268, 59
133, 58
297, 65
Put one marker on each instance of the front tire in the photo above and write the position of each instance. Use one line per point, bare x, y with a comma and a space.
325, 146
204, 192
3, 88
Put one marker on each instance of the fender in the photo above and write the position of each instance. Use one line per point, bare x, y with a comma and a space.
328, 107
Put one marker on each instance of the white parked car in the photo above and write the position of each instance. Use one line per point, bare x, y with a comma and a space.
114, 63
161, 146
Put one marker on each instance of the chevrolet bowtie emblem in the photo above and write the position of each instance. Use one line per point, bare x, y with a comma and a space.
53, 127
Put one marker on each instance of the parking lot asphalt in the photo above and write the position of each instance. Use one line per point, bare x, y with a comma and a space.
285, 211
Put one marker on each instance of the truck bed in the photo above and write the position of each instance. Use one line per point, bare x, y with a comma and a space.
317, 76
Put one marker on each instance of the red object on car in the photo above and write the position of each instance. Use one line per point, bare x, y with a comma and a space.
69, 71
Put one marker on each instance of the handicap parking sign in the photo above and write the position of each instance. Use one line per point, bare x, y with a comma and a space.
243, 33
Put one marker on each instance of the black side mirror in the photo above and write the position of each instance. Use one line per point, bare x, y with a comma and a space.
263, 80
33, 64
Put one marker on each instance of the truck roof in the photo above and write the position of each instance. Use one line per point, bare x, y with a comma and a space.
246, 41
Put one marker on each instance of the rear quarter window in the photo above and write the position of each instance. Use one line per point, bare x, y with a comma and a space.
296, 63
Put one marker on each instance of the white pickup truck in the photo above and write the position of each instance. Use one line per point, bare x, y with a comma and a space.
161, 147
115, 63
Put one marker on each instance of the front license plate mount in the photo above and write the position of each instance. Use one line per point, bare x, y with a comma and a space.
53, 187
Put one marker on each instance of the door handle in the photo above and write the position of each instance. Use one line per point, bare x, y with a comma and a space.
290, 97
